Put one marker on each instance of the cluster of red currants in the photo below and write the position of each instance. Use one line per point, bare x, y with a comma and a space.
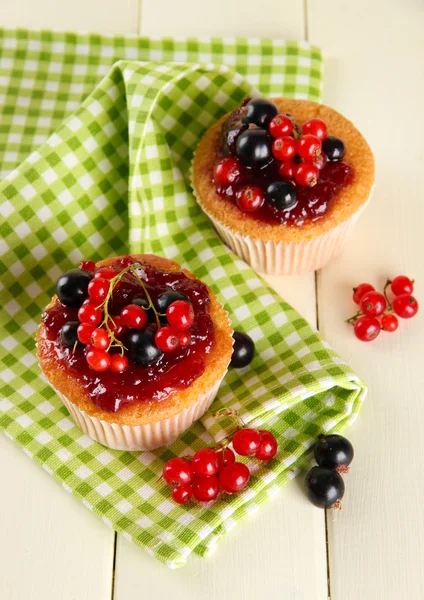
377, 312
212, 470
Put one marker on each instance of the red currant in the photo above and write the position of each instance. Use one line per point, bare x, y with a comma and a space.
180, 315
281, 125
405, 306
225, 457
309, 147
284, 148
366, 328
98, 288
185, 339
359, 291
88, 265
133, 316
373, 304
306, 174
177, 471
118, 363
228, 172
206, 489
287, 169
105, 273
100, 339
320, 161
167, 339
402, 285
90, 313
316, 127
246, 441
250, 198
84, 332
389, 322
181, 494
97, 359
205, 462
116, 326
234, 478
269, 446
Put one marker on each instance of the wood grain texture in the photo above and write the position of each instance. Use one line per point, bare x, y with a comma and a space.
374, 75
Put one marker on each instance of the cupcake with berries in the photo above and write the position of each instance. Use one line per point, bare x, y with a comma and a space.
135, 347
283, 181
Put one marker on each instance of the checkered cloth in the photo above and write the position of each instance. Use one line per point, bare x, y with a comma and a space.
113, 179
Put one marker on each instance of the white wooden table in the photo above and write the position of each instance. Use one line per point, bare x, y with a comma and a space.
51, 547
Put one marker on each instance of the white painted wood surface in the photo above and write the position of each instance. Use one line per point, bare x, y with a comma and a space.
52, 547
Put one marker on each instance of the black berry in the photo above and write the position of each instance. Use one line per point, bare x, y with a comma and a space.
243, 350
254, 148
324, 487
68, 333
281, 195
142, 349
167, 298
72, 287
260, 112
333, 452
333, 148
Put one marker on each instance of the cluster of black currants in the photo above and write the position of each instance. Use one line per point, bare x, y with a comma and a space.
324, 484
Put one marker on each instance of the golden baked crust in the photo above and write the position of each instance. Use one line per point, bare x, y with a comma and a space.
348, 201
68, 384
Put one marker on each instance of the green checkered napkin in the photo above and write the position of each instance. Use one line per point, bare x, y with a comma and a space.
114, 179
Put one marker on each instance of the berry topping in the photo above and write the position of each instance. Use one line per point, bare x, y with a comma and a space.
98, 288
69, 333
133, 316
142, 349
177, 471
389, 322
284, 148
361, 290
205, 462
90, 313
206, 489
373, 304
84, 332
260, 112
281, 195
100, 339
88, 265
180, 315
250, 198
268, 448
309, 147
325, 488
287, 169
316, 127
97, 359
228, 171
306, 174
167, 339
72, 287
366, 329
243, 350
402, 285
333, 148
333, 451
254, 148
234, 478
405, 306
280, 126
145, 305
181, 494
118, 363
105, 273
185, 339
246, 442
167, 298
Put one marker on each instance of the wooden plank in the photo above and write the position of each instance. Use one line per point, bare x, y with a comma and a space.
374, 76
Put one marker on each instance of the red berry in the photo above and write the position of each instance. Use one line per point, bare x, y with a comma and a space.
320, 161
181, 494
316, 127
228, 172
206, 489
116, 326
246, 441
250, 198
133, 316
88, 265
205, 462
225, 457
177, 471
90, 313
284, 148
100, 339
185, 339
98, 288
362, 289
389, 322
402, 285
405, 306
306, 174
167, 339
105, 273
84, 332
373, 304
366, 328
269, 446
234, 478
180, 315
97, 359
287, 169
309, 147
118, 363
281, 125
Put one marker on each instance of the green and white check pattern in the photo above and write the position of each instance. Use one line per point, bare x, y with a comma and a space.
113, 178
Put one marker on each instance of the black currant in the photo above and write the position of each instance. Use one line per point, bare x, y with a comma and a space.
324, 487
141, 346
333, 147
243, 350
72, 287
281, 195
254, 148
167, 298
68, 333
334, 452
144, 303
231, 129
260, 111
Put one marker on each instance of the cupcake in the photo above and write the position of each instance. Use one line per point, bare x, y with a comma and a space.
135, 347
283, 182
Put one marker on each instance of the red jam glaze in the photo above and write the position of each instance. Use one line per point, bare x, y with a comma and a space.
312, 202
173, 371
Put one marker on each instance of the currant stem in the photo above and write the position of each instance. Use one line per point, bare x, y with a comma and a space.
356, 316
389, 304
